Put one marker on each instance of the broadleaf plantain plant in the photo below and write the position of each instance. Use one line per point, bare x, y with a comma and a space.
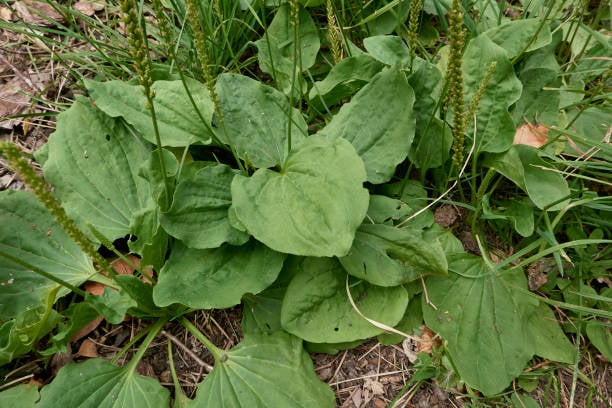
293, 225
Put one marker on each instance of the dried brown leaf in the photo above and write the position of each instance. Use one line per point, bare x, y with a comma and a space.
88, 7
88, 328
531, 135
12, 102
88, 349
37, 13
6, 14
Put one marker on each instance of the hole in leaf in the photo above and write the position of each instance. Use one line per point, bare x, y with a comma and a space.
107, 138
336, 329
120, 244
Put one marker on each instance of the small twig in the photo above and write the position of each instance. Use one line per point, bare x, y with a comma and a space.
339, 366
15, 381
434, 307
186, 349
231, 342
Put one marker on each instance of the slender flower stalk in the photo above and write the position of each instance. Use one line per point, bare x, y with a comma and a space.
139, 49
193, 17
454, 80
481, 90
333, 33
413, 27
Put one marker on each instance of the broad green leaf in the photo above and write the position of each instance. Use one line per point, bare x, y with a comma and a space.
256, 119
523, 165
518, 213
387, 210
216, 278
380, 132
600, 335
389, 256
592, 131
261, 312
19, 335
152, 240
264, 371
140, 292
277, 49
539, 71
484, 316
331, 348
437, 7
547, 338
177, 120
524, 401
495, 127
316, 306
433, 137
93, 163
98, 383
388, 49
311, 207
379, 22
113, 305
412, 194
445, 237
22, 396
344, 79
198, 215
521, 36
29, 234
71, 321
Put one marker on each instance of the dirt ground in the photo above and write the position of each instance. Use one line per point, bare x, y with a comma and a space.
370, 375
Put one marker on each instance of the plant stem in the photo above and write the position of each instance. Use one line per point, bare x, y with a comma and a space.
214, 350
152, 333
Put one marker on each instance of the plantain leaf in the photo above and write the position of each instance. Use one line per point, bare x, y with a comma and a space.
495, 127
102, 385
29, 235
277, 49
492, 324
316, 306
95, 172
264, 371
198, 215
312, 206
381, 133
216, 278
388, 256
256, 120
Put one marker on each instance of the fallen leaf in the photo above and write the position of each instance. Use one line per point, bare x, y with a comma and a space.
88, 349
12, 102
37, 13
376, 387
531, 135
410, 346
88, 7
88, 328
122, 268
94, 288
6, 14
428, 341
